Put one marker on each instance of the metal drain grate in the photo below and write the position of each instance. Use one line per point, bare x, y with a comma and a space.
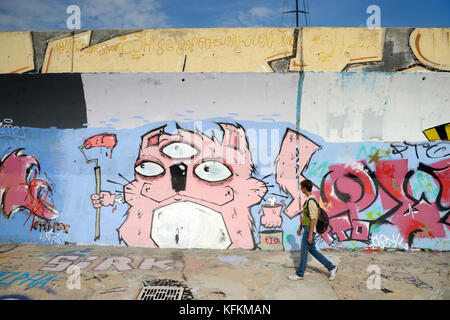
161, 293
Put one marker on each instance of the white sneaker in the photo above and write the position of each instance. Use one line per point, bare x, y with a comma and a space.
333, 273
295, 277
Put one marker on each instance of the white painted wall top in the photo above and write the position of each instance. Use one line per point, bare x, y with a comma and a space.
354, 107
339, 107
153, 97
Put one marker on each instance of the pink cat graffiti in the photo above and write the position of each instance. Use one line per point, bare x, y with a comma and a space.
191, 191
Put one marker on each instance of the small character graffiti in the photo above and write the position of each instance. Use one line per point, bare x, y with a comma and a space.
271, 214
191, 191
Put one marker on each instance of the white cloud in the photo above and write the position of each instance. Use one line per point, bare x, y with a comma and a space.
118, 14
31, 15
95, 14
254, 17
260, 13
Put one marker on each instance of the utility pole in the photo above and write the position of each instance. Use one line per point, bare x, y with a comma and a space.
297, 12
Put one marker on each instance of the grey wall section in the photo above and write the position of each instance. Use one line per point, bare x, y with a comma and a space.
397, 54
43, 101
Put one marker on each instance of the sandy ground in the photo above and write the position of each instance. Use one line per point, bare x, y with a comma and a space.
31, 271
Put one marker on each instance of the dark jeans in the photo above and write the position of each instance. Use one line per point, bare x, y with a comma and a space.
311, 248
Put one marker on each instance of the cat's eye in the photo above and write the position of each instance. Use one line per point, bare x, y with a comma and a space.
212, 171
149, 169
179, 150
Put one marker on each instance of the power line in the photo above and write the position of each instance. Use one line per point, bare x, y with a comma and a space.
297, 11
304, 8
282, 12
286, 19
309, 14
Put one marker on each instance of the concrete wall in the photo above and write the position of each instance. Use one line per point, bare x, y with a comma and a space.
209, 160
104, 149
225, 50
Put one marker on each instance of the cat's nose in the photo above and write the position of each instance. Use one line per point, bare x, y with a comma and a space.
178, 174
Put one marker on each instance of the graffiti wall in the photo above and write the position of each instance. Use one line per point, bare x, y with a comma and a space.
213, 160
226, 49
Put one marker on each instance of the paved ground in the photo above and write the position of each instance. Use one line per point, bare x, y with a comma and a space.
47, 272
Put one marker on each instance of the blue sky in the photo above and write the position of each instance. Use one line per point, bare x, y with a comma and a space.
119, 14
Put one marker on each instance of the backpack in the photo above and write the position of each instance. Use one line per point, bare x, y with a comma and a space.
323, 221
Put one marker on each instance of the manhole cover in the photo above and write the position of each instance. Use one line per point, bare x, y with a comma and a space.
161, 293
